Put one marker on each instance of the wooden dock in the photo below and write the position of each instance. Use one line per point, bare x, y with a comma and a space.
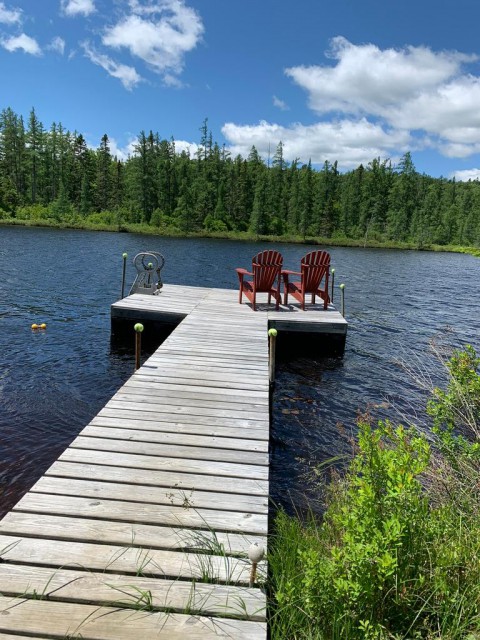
141, 528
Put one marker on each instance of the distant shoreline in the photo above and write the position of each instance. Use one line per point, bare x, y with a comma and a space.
240, 236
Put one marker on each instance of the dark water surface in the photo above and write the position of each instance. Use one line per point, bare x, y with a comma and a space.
52, 383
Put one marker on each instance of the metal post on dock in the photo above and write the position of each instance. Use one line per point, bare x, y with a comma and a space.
138, 344
342, 292
272, 338
333, 284
124, 256
255, 554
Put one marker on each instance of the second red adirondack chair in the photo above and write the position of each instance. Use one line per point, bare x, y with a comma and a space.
266, 272
314, 274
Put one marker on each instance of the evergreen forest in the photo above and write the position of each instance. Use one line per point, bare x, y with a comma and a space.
52, 175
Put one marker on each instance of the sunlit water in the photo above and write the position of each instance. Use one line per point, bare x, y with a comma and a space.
53, 382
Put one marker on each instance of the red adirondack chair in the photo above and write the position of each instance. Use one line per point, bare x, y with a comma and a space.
314, 274
266, 272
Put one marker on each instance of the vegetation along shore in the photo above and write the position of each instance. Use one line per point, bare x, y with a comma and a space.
397, 552
52, 178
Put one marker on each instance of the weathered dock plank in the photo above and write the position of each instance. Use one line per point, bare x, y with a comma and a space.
194, 499
70, 620
151, 477
144, 435
188, 516
124, 534
74, 585
125, 560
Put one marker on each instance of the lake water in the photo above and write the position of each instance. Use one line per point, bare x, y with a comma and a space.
53, 382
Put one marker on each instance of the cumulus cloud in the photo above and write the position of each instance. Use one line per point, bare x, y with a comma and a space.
10, 16
127, 75
24, 43
122, 153
190, 147
73, 8
158, 33
466, 174
351, 142
280, 104
382, 101
371, 80
411, 89
458, 150
58, 45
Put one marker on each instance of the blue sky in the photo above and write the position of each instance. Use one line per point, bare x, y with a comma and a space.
343, 80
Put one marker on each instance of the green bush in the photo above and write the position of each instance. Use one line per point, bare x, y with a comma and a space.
33, 212
397, 553
456, 411
101, 218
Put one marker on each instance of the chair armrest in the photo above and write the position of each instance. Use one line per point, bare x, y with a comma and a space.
287, 272
243, 272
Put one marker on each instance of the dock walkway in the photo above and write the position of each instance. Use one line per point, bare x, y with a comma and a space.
140, 529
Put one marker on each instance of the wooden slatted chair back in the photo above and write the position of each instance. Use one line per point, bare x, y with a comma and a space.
266, 267
315, 266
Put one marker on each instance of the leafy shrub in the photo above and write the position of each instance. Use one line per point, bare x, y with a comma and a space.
456, 411
397, 554
33, 212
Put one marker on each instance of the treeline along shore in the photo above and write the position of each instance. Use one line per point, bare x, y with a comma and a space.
52, 177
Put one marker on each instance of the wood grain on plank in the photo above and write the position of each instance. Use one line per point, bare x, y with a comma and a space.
135, 445
129, 560
120, 490
172, 481
130, 534
61, 620
187, 516
74, 585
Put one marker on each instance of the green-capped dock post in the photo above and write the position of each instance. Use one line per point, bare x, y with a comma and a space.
342, 292
333, 284
138, 344
272, 338
124, 256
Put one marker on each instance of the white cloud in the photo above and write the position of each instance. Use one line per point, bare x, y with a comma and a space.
348, 141
183, 145
413, 92
280, 104
23, 42
122, 153
128, 76
449, 108
370, 80
77, 7
466, 174
159, 33
58, 45
458, 150
172, 81
10, 16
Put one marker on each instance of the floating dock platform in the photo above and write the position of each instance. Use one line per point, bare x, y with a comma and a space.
141, 528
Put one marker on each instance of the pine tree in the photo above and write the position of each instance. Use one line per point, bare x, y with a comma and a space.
104, 181
351, 202
403, 199
259, 218
12, 151
306, 199
35, 138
